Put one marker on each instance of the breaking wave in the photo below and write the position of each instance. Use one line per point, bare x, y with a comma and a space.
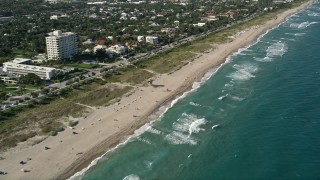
154, 131
277, 49
194, 104
185, 126
244, 72
302, 25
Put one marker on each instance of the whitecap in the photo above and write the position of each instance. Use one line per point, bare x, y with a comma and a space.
215, 126
132, 177
149, 164
222, 97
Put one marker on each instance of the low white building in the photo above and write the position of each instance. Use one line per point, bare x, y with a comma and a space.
118, 49
199, 24
20, 67
97, 47
140, 38
87, 42
110, 38
152, 40
54, 17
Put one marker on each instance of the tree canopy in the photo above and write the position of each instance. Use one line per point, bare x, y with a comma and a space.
30, 78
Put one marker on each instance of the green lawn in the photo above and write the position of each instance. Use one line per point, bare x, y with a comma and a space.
101, 96
168, 62
15, 90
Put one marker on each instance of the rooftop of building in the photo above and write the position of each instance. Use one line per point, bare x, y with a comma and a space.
28, 67
20, 60
59, 33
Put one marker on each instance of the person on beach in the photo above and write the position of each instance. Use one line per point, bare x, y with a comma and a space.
22, 162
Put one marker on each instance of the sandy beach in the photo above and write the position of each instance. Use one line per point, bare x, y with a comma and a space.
105, 127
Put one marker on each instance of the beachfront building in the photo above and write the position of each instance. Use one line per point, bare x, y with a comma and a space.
152, 40
21, 66
61, 45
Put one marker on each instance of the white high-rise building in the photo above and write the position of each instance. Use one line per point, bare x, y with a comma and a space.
61, 45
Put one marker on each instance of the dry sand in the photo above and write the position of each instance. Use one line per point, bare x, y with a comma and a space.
106, 127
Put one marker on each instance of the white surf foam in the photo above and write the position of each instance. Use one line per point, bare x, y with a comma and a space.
143, 140
223, 97
188, 122
184, 127
302, 25
154, 131
277, 49
299, 34
132, 177
265, 59
237, 98
177, 138
195, 126
314, 14
244, 72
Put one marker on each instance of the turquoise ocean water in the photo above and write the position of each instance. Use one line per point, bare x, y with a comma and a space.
257, 117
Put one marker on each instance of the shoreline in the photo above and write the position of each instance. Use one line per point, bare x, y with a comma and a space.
118, 123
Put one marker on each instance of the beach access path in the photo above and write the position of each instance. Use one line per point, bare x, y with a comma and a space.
106, 127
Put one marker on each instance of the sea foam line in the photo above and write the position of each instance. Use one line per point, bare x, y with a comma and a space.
195, 86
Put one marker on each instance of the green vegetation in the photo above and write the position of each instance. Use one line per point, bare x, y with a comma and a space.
198, 46
95, 93
30, 78
130, 74
165, 63
72, 123
22, 122
101, 96
82, 65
